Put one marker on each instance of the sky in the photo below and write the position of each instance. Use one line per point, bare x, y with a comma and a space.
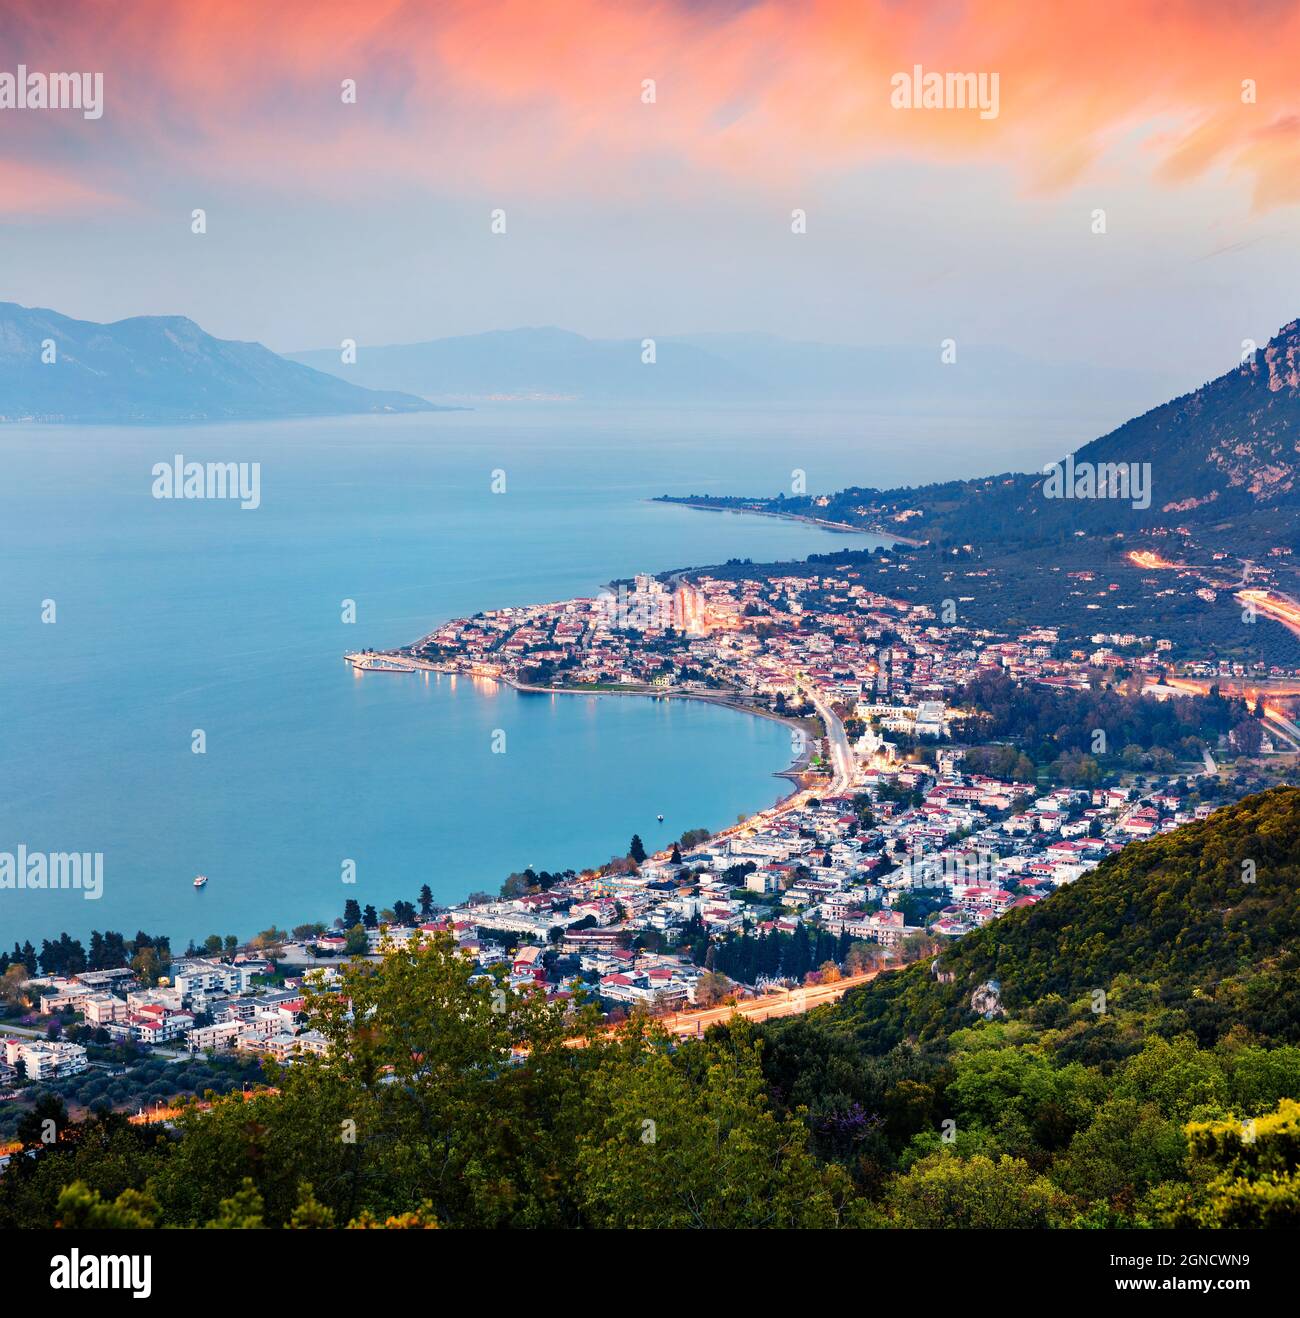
633, 211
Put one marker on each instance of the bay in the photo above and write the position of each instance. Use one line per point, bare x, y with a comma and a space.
180, 616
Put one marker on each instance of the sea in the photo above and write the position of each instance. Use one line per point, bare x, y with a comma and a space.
173, 693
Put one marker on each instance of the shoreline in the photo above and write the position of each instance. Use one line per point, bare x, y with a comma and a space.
795, 772
824, 522
792, 771
800, 791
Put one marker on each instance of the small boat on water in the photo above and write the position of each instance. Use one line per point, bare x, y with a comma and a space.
660, 818
200, 880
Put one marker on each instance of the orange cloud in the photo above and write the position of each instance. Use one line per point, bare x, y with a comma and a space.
513, 96
27, 191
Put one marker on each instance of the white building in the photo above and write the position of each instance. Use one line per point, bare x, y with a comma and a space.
214, 1038
199, 978
42, 1060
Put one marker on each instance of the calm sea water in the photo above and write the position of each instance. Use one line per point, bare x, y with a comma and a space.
185, 615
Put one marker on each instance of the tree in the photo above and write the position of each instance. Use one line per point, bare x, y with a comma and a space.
975, 1193
636, 849
369, 918
243, 1211
689, 1140
916, 947
1127, 1148
11, 983
351, 912
147, 965
1245, 1174
355, 941
81, 1208
44, 1124
426, 901
212, 944
711, 988
515, 886
420, 1046
676, 857
862, 957
1248, 736
310, 1214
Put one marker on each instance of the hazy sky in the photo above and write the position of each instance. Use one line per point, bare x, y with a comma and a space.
629, 218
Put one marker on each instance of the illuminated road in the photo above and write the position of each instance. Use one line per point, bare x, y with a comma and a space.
792, 1002
1281, 726
1249, 688
1277, 720
1278, 607
841, 753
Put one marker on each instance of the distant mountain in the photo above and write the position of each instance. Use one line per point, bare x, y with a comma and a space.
160, 369
1226, 454
545, 363
554, 363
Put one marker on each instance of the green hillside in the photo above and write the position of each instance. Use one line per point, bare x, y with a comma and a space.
1204, 921
1100, 1056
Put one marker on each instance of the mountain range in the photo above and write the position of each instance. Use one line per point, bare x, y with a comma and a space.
149, 369
1225, 455
554, 363
160, 369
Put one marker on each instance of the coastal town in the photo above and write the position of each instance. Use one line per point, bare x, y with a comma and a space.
907, 821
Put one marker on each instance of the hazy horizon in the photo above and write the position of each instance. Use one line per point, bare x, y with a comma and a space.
764, 183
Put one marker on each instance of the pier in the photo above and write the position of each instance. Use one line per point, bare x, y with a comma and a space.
366, 662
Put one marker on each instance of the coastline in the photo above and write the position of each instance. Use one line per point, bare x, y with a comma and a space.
792, 770
795, 772
825, 523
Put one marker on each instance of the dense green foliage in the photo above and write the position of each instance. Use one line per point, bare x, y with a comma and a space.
1126, 1052
108, 951
1158, 991
143, 1085
1049, 721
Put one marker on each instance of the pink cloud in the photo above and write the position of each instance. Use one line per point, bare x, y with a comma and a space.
512, 96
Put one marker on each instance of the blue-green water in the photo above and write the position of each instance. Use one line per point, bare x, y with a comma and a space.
184, 615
